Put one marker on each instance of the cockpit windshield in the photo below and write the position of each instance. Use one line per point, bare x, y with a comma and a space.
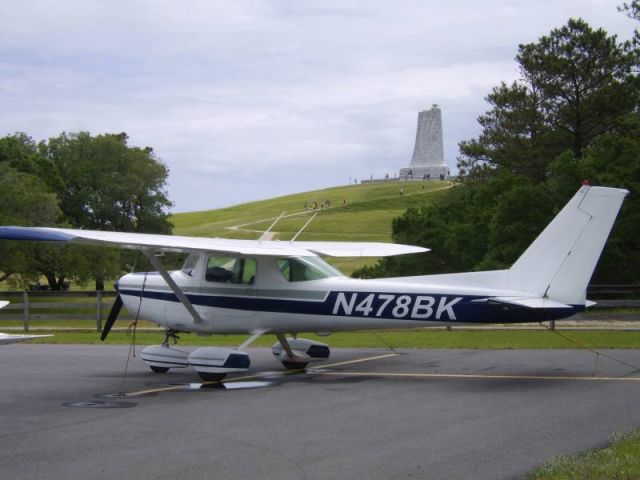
301, 269
190, 263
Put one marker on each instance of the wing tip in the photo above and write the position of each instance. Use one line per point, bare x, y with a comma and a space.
42, 234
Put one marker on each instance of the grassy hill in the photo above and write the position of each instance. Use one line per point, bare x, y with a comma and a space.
356, 213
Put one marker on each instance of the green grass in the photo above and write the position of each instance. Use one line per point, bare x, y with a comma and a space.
621, 460
357, 213
368, 196
422, 338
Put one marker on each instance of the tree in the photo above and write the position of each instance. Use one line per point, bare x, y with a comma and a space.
520, 214
108, 185
21, 152
514, 136
457, 236
573, 115
77, 180
24, 200
632, 10
576, 84
614, 159
584, 78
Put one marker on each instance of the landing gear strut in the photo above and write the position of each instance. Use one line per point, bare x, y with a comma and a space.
296, 353
172, 334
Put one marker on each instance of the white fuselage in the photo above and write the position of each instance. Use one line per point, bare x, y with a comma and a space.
273, 303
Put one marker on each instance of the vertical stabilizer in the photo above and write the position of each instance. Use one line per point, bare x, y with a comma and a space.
559, 263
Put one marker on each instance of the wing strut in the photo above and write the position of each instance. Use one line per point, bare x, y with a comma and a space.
176, 289
265, 234
254, 335
303, 227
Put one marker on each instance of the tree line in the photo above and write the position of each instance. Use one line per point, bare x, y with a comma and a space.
77, 180
574, 114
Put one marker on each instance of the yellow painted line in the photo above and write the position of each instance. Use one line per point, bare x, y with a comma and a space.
153, 390
256, 375
396, 375
359, 360
479, 376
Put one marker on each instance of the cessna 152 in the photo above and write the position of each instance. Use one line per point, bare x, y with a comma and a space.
278, 287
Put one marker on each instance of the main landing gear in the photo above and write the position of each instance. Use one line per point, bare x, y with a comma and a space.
296, 353
213, 363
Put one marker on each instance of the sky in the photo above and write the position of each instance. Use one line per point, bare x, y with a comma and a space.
251, 99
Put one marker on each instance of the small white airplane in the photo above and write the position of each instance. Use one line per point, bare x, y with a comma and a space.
285, 287
7, 338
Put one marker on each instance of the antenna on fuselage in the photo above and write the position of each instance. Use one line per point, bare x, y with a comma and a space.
303, 227
266, 232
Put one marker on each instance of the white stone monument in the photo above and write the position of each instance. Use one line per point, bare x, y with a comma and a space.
428, 153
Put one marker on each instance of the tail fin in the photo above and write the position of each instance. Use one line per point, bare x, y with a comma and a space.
559, 263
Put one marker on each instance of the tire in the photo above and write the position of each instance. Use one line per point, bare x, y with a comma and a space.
159, 369
212, 377
294, 365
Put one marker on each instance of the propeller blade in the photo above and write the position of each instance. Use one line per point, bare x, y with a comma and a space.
111, 319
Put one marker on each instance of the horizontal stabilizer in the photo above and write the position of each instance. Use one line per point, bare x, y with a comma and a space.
7, 338
534, 303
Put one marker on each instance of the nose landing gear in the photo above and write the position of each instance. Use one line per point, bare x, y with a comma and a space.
211, 363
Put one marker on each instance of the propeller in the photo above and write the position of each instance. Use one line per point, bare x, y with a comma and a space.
111, 319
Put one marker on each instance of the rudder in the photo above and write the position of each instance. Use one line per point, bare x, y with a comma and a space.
560, 261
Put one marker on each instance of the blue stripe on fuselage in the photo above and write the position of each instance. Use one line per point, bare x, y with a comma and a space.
399, 306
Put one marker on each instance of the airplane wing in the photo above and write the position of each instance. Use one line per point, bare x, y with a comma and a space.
6, 338
175, 243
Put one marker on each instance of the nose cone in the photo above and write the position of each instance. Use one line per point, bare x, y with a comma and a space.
136, 281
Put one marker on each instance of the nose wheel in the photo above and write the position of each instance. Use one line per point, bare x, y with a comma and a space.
160, 358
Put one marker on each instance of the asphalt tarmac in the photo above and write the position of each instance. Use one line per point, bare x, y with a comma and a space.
420, 414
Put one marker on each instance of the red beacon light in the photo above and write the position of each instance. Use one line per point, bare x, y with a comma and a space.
586, 182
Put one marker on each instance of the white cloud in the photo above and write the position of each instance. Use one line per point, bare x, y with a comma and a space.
263, 90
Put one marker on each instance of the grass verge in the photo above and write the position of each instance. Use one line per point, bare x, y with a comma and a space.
421, 338
621, 460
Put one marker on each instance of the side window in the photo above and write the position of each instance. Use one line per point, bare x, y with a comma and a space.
284, 265
231, 270
301, 269
249, 271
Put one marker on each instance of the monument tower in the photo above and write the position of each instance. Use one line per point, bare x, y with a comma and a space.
428, 153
